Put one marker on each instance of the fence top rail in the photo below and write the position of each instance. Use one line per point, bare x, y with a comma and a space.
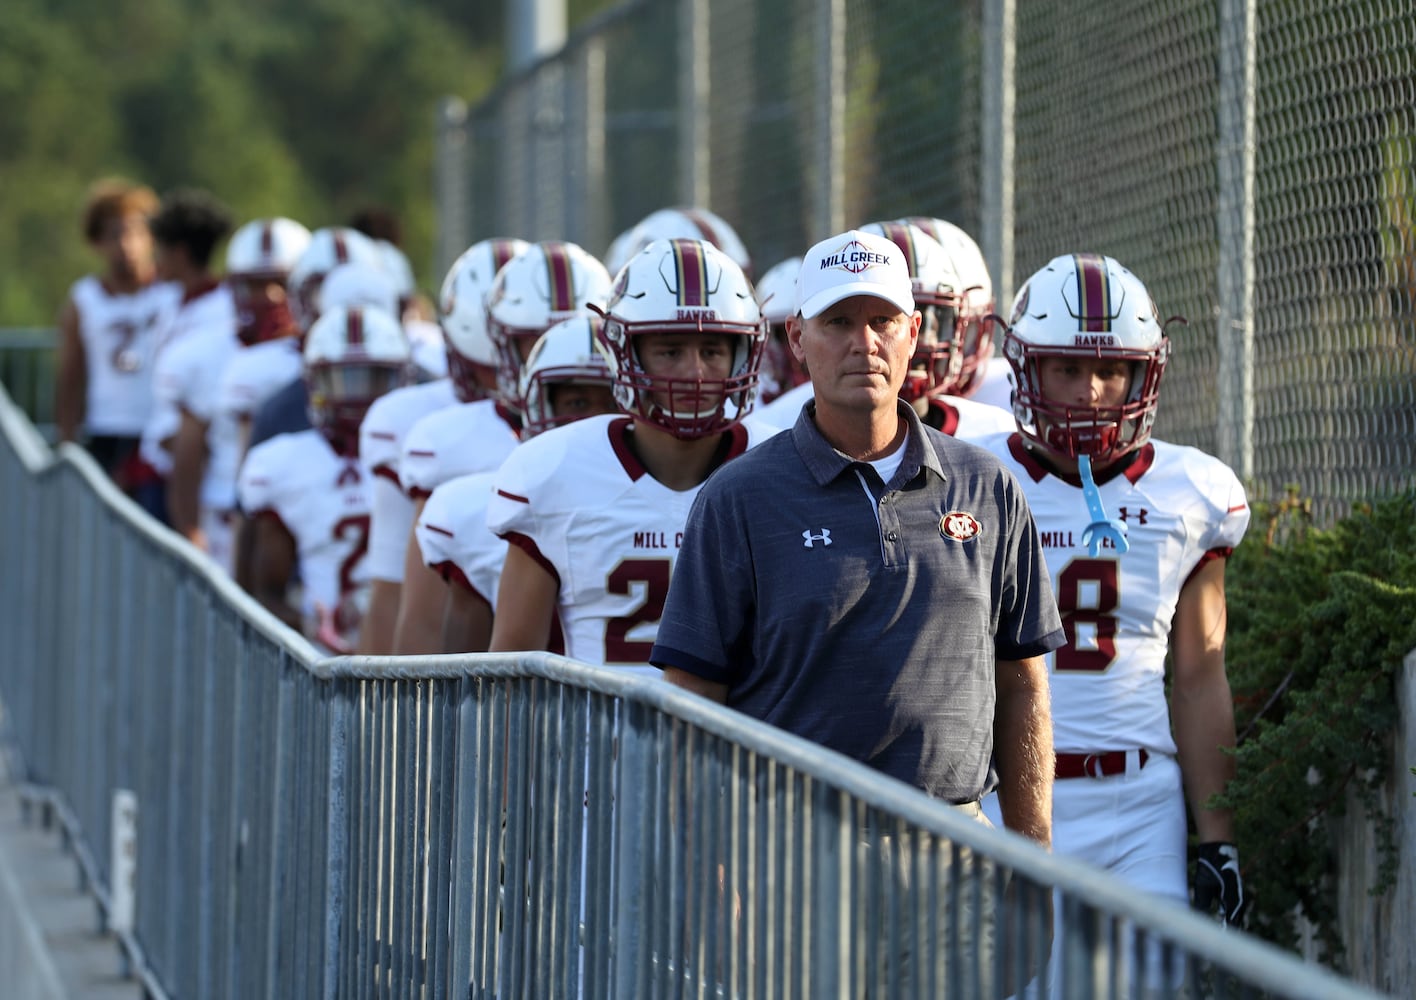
28, 443
1263, 964
12, 337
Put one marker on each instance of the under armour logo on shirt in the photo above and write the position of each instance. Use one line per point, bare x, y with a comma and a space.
824, 538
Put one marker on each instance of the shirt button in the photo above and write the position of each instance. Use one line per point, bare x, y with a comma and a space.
892, 537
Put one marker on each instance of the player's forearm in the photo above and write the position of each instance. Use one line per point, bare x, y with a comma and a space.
1022, 746
183, 497
1203, 720
376, 630
69, 392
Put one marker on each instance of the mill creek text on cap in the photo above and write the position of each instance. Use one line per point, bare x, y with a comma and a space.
854, 257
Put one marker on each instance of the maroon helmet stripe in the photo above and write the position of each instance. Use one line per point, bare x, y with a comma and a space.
355, 328
562, 278
704, 226
267, 239
502, 251
341, 249
900, 235
692, 269
1093, 292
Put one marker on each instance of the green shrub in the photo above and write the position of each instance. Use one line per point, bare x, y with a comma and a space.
1319, 624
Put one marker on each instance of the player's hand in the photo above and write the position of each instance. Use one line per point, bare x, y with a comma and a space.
327, 631
1218, 882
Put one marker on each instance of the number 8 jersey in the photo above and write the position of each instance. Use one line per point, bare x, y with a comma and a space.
1181, 508
578, 502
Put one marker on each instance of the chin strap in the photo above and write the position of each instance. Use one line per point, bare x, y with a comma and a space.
1101, 527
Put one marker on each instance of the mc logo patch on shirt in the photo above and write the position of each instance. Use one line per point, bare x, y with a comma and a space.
960, 525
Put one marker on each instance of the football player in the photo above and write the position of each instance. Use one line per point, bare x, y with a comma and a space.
776, 294
201, 339
549, 282
472, 366
565, 379
110, 328
594, 511
307, 493
1137, 533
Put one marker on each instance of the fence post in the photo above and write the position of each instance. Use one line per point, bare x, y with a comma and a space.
695, 89
830, 155
996, 142
451, 185
336, 832
1237, 139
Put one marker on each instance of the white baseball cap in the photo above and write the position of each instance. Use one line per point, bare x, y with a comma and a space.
853, 263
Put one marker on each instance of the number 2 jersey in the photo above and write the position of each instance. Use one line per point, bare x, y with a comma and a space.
322, 499
578, 502
1181, 508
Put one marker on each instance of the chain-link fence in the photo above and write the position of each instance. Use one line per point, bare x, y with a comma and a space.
1251, 160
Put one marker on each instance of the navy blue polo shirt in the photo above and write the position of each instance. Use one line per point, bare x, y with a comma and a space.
862, 615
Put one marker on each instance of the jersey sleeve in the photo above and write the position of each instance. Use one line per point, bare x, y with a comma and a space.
257, 488
522, 507
453, 537
1028, 622
1232, 512
391, 519
708, 615
418, 462
380, 444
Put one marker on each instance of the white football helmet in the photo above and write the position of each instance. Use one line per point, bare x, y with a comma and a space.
462, 311
690, 224
259, 259
358, 283
620, 250
937, 285
553, 280
328, 248
684, 286
352, 357
399, 269
567, 353
777, 295
1086, 306
977, 309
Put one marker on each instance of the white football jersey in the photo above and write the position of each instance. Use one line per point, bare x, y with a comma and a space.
783, 411
121, 335
381, 436
578, 501
967, 419
996, 389
323, 501
454, 538
1181, 508
249, 377
455, 441
187, 373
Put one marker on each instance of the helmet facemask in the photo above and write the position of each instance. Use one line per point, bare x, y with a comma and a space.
1086, 307
684, 287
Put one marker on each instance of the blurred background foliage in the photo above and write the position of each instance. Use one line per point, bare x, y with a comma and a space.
313, 110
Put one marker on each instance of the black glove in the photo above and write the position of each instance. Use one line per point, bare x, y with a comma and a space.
1218, 882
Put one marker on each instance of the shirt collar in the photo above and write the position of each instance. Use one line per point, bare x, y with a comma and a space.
825, 463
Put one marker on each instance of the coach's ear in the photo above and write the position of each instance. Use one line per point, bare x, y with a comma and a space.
795, 324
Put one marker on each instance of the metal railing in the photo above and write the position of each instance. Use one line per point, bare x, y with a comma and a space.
495, 825
27, 356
